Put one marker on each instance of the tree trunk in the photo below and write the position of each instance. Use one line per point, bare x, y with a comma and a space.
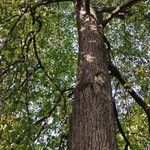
93, 125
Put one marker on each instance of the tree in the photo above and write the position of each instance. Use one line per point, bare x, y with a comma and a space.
38, 61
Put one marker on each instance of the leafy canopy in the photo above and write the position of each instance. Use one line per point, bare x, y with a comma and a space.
38, 56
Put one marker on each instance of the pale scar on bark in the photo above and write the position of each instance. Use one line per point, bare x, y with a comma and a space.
100, 78
89, 58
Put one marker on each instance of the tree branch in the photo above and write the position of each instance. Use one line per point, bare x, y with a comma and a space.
122, 8
115, 72
49, 113
120, 127
118, 122
46, 2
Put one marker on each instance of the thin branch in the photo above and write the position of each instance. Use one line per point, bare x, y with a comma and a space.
40, 131
123, 7
36, 19
115, 72
49, 113
50, 79
63, 137
46, 2
104, 9
51, 110
109, 10
118, 122
120, 127
42, 66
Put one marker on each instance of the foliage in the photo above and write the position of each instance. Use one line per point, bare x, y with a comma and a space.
38, 59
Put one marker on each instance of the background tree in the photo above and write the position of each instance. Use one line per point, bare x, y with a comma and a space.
38, 56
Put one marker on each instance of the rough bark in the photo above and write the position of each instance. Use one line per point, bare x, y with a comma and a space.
93, 125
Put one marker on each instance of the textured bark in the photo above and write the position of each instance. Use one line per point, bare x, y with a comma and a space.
93, 125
